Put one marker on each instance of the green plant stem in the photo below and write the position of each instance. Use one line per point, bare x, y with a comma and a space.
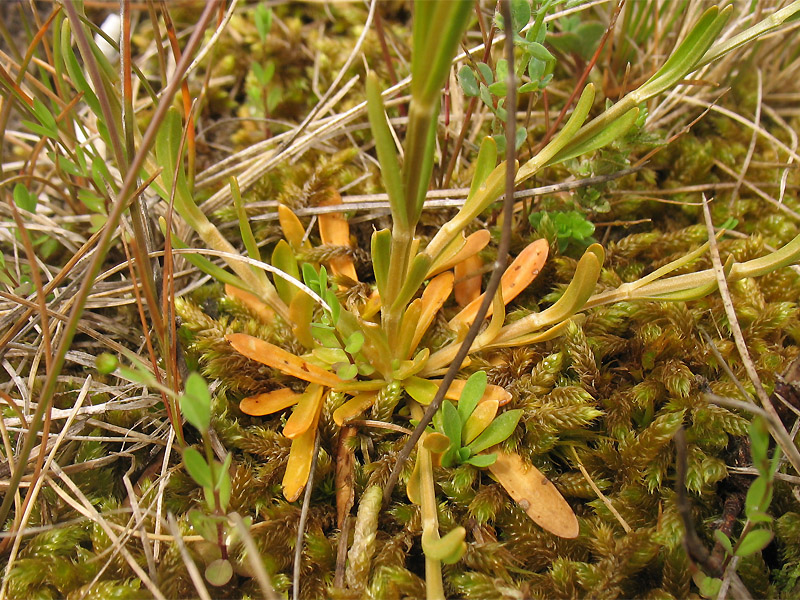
103, 244
430, 523
399, 260
494, 281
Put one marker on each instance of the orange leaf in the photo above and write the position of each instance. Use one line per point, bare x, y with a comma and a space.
278, 358
253, 303
334, 230
468, 280
535, 494
473, 244
299, 464
353, 407
269, 402
433, 298
516, 278
293, 229
305, 413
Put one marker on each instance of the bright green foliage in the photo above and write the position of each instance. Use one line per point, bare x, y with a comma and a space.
451, 421
564, 229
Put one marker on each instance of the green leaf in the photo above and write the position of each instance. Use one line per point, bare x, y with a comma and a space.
683, 60
604, 137
539, 52
471, 394
24, 199
311, 277
759, 517
221, 471
347, 372
759, 495
197, 467
486, 96
486, 73
498, 88
708, 586
224, 490
354, 342
283, 258
468, 81
381, 246
482, 460
755, 541
759, 441
484, 164
196, 402
219, 572
68, 166
263, 19
724, 540
246, 232
464, 454
387, 152
520, 15
451, 423
49, 127
497, 431
204, 525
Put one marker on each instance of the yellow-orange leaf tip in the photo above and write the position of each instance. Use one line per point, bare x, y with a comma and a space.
269, 402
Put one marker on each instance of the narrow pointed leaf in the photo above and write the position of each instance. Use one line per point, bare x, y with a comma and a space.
387, 152
298, 466
471, 394
305, 413
432, 300
278, 358
497, 431
354, 407
293, 229
518, 276
335, 230
468, 279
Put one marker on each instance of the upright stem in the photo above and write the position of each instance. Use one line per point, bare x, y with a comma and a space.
494, 281
399, 260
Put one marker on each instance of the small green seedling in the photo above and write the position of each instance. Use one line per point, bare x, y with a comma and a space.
756, 532
473, 427
570, 228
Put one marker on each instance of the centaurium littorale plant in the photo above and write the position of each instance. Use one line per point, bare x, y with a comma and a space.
377, 347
